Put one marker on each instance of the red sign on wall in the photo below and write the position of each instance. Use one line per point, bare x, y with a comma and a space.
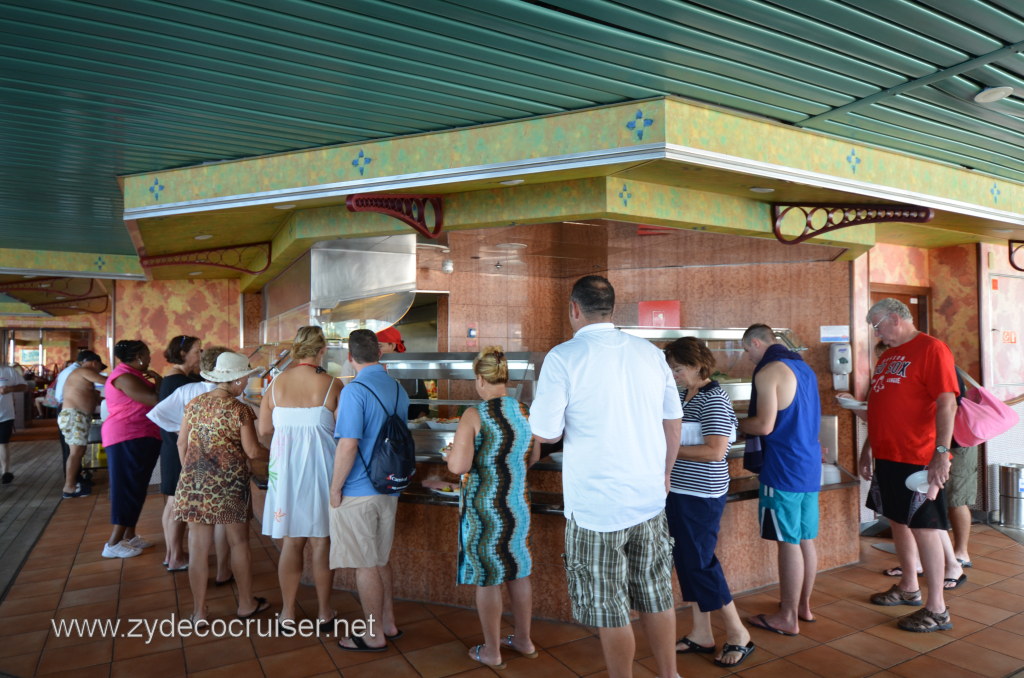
1009, 337
658, 313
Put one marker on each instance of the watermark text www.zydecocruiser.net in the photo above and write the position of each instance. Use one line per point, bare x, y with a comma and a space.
183, 627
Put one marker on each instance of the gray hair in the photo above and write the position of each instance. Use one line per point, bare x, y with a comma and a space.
887, 306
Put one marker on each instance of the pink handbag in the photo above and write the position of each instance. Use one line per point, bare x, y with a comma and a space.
981, 416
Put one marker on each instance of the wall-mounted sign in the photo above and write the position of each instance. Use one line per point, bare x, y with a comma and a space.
832, 334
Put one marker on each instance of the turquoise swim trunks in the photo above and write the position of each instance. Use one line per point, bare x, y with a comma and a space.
787, 516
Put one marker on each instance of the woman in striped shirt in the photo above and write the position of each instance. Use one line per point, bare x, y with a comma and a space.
700, 481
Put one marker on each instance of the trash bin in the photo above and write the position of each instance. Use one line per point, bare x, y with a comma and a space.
1011, 495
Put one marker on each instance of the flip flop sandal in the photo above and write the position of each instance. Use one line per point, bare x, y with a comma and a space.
286, 627
744, 651
761, 622
474, 654
262, 605
965, 563
807, 620
950, 583
506, 642
361, 646
326, 625
396, 635
692, 647
897, 571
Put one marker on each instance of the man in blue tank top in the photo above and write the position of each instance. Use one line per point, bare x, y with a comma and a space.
785, 411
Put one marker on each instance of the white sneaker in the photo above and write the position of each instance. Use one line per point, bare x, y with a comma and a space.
120, 550
138, 542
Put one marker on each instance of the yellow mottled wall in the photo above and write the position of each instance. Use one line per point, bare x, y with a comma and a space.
898, 265
158, 310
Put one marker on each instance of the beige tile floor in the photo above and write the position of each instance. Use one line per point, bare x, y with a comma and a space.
64, 577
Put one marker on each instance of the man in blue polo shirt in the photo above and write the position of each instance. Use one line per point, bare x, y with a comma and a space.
362, 519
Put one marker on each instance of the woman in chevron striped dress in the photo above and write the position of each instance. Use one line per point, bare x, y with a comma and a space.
494, 447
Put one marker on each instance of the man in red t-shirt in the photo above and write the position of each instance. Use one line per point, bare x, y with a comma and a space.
910, 425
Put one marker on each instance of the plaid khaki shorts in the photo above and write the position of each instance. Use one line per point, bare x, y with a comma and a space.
610, 573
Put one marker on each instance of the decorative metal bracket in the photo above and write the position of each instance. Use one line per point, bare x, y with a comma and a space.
1016, 247
221, 257
55, 286
80, 305
832, 217
425, 213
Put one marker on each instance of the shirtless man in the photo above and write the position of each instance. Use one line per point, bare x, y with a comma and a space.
80, 400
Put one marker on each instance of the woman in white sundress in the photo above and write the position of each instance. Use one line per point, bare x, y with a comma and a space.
299, 410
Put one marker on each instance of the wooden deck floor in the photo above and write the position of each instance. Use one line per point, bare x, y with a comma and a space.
27, 503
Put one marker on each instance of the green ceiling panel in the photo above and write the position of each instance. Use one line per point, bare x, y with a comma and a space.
94, 89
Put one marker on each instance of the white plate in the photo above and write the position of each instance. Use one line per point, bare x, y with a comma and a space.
918, 482
438, 426
453, 493
851, 404
556, 456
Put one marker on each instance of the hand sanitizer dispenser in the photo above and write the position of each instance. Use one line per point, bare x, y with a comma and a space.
840, 364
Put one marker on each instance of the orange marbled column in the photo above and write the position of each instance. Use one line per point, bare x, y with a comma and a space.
955, 318
155, 311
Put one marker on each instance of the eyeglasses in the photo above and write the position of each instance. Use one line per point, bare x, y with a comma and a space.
875, 325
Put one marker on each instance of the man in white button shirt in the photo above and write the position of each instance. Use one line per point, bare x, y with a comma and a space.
611, 396
11, 381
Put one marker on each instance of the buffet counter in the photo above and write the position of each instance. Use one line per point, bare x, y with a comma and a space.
425, 554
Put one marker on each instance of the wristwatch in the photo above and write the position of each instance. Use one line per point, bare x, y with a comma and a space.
942, 449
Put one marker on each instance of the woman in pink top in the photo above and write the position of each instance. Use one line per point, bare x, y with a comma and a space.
132, 444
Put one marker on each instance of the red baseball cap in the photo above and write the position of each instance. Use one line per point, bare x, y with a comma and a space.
392, 336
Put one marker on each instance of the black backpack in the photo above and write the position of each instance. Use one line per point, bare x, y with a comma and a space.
393, 460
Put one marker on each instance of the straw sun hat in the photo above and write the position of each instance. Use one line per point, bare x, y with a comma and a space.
229, 367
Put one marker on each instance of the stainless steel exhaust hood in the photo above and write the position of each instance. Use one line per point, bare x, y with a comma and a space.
362, 283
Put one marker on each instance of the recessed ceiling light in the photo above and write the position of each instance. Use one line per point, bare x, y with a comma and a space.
44, 284
512, 182
510, 246
196, 273
203, 236
991, 94
284, 207
761, 189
